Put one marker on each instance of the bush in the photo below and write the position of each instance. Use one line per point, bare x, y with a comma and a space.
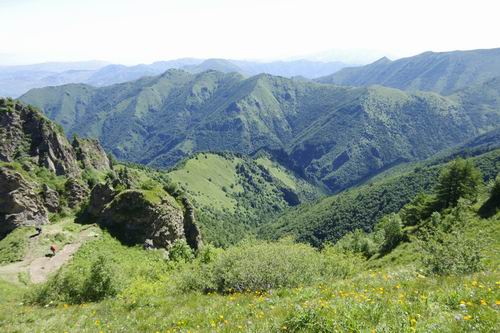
448, 254
254, 266
264, 266
77, 284
358, 242
390, 227
340, 263
101, 282
181, 251
307, 320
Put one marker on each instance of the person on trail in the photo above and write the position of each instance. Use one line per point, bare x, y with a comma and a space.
53, 248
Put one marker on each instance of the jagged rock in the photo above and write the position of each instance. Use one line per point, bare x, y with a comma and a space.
19, 203
134, 219
100, 196
91, 155
51, 199
25, 132
76, 192
191, 231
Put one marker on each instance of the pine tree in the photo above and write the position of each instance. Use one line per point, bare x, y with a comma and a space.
460, 179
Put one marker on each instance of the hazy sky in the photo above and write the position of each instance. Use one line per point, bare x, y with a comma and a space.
143, 31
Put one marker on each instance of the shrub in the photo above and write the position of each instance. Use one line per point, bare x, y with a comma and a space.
77, 284
101, 282
449, 254
390, 227
358, 242
419, 209
255, 266
13, 246
340, 263
307, 320
181, 252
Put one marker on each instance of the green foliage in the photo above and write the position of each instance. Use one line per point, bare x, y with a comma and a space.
315, 129
461, 179
78, 285
492, 205
358, 242
391, 228
451, 253
181, 252
340, 263
360, 208
419, 209
100, 269
13, 247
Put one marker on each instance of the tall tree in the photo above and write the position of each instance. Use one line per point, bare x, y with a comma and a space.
460, 179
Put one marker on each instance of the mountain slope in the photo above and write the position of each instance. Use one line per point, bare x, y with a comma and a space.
334, 135
361, 208
234, 194
443, 72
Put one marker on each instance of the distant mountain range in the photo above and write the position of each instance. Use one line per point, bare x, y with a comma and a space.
442, 72
336, 136
16, 80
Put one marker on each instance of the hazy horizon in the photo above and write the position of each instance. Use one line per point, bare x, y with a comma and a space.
132, 32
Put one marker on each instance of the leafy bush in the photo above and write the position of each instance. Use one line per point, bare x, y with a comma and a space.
254, 266
358, 242
390, 227
181, 251
448, 254
264, 266
78, 284
340, 263
307, 320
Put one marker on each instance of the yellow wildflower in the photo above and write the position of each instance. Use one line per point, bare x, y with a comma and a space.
467, 317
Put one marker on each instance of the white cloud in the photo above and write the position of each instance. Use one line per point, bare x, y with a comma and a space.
133, 31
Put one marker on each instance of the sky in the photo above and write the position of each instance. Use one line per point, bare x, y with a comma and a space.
144, 31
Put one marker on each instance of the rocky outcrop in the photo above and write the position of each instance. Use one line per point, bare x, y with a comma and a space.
100, 196
25, 132
20, 205
76, 192
90, 154
51, 199
134, 219
191, 231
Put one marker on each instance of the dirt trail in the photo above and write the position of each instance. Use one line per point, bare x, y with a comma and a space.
38, 266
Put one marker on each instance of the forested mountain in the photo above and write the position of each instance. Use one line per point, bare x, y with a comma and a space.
443, 72
16, 80
334, 135
361, 208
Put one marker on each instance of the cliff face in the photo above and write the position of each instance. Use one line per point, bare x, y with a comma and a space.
20, 204
30, 142
90, 154
30, 145
25, 133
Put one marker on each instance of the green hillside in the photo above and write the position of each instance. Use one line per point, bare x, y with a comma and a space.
442, 72
361, 208
337, 136
235, 194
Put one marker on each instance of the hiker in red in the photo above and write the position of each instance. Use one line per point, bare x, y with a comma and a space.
53, 248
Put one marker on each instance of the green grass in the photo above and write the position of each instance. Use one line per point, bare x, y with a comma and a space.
205, 176
14, 246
